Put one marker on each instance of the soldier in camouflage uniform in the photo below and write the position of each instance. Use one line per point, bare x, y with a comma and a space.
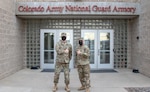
64, 54
83, 65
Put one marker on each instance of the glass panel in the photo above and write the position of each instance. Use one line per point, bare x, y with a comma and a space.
48, 41
104, 41
49, 57
89, 41
104, 57
49, 48
91, 57
104, 48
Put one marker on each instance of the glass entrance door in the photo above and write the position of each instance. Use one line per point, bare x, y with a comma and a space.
105, 49
48, 40
91, 41
100, 43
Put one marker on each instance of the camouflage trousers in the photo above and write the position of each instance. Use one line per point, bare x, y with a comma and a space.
84, 75
58, 68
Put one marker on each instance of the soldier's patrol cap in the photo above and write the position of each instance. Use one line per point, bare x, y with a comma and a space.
63, 34
81, 38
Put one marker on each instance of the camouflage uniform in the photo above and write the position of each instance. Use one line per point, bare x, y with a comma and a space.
62, 60
83, 65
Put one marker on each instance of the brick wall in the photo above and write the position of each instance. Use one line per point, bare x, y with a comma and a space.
11, 33
135, 43
144, 41
141, 47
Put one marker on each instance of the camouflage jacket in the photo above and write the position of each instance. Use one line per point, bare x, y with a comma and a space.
62, 57
83, 57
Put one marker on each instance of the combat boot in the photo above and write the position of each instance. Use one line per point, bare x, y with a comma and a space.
81, 88
67, 89
87, 90
55, 88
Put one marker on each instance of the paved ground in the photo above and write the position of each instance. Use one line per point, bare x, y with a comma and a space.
28, 80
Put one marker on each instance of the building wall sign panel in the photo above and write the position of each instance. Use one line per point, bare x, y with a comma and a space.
77, 8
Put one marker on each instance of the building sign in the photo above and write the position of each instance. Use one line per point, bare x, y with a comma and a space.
76, 8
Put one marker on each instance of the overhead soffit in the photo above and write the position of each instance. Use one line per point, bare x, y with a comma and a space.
76, 17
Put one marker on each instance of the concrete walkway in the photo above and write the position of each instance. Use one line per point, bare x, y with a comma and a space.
28, 80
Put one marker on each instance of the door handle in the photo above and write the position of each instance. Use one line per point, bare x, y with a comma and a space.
114, 50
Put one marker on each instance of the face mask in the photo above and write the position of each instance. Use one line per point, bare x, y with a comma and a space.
63, 38
81, 42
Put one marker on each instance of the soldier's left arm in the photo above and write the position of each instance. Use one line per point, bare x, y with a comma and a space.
86, 52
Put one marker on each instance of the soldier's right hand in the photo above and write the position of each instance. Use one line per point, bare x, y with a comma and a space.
66, 51
78, 52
